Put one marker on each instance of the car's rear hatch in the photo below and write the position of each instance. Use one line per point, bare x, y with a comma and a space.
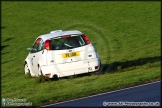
66, 52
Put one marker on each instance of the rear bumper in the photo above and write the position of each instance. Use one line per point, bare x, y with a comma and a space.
72, 68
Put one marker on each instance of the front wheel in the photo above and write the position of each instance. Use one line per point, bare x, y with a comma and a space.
40, 71
26, 69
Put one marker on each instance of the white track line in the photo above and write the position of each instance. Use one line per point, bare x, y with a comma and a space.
102, 93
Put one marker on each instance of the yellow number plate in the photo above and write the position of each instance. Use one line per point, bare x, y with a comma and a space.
70, 54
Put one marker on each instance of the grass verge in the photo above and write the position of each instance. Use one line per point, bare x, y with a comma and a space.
125, 34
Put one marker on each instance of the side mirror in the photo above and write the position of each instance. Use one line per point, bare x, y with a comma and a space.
29, 49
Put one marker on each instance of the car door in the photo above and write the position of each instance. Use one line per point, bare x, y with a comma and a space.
35, 55
69, 52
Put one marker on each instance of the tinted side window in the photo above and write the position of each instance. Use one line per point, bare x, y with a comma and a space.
38, 46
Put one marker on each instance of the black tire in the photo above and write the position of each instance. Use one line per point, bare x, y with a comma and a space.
26, 69
100, 71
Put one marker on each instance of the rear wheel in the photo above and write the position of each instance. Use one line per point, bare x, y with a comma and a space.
100, 71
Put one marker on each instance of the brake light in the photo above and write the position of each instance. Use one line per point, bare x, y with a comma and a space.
66, 36
48, 75
96, 67
86, 39
47, 44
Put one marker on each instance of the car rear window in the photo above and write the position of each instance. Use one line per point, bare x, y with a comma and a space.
67, 43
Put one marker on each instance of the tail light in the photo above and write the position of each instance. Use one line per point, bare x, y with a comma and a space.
96, 67
47, 44
48, 75
86, 39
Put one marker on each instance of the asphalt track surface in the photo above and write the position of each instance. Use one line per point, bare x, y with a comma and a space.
146, 95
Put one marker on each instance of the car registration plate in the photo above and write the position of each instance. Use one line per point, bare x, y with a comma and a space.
66, 55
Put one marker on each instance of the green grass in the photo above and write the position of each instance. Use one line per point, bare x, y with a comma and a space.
125, 34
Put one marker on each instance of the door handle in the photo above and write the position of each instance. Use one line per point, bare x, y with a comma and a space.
34, 56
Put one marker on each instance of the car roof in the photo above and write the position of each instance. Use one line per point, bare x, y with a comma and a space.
58, 33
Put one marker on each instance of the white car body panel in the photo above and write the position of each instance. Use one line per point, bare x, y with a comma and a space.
84, 51
52, 62
68, 69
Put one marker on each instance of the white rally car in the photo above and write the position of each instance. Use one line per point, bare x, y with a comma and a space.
62, 53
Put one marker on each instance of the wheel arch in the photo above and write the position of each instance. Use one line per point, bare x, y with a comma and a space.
27, 62
39, 66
